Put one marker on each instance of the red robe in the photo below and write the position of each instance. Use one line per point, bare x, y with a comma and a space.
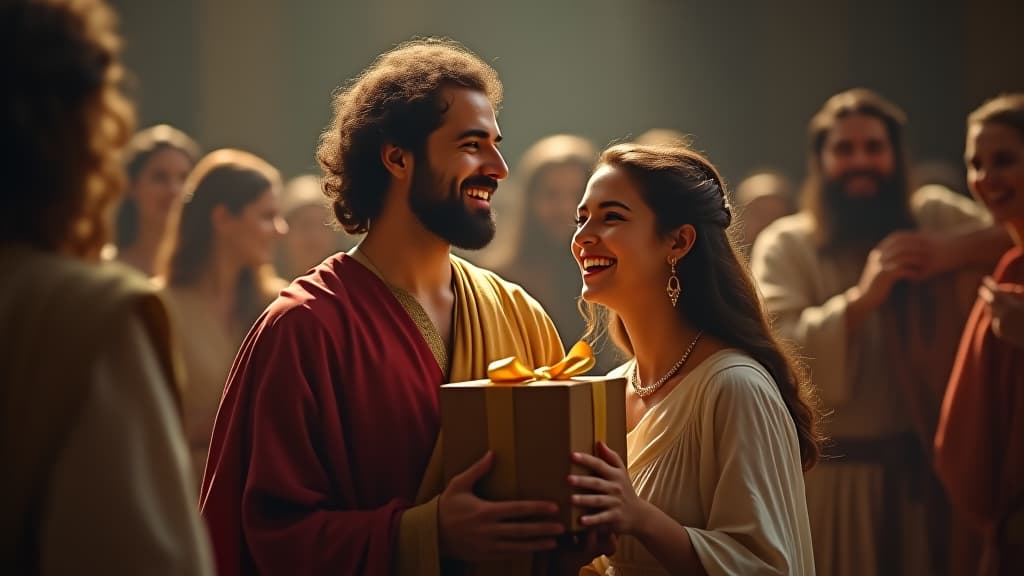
337, 388
979, 447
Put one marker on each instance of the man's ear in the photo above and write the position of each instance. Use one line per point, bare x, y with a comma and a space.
681, 241
397, 161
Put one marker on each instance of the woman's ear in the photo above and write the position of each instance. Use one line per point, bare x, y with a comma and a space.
220, 218
397, 161
681, 241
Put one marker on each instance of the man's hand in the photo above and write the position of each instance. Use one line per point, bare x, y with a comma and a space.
885, 266
900, 256
925, 255
1006, 304
473, 529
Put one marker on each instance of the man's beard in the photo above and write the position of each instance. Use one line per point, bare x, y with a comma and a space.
864, 221
447, 216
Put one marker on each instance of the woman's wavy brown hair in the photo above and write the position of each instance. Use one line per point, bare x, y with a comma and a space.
682, 187
396, 100
63, 123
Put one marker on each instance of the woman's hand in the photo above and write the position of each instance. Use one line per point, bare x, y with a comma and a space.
609, 495
1006, 304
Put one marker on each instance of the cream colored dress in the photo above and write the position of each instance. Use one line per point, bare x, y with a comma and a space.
208, 349
805, 293
720, 455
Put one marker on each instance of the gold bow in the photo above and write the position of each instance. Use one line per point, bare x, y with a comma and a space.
511, 370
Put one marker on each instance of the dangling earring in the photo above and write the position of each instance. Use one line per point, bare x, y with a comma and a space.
673, 289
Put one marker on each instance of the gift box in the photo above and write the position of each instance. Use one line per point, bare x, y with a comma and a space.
532, 420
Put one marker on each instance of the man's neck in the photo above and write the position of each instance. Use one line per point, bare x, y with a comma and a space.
408, 257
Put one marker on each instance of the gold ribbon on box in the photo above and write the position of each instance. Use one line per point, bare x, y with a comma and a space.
512, 371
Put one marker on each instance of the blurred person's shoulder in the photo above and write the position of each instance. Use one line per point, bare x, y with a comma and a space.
937, 208
798, 227
36, 274
932, 194
64, 307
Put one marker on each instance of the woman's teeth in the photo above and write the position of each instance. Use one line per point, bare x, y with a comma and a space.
593, 262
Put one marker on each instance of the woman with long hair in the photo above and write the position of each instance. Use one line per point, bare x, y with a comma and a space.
219, 276
979, 446
720, 425
158, 160
553, 173
96, 471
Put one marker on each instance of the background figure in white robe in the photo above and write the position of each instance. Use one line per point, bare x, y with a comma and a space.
874, 285
720, 429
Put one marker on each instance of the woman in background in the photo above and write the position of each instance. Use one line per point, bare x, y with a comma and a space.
310, 238
158, 160
219, 278
553, 174
979, 446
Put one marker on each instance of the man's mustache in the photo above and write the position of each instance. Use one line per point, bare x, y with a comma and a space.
480, 182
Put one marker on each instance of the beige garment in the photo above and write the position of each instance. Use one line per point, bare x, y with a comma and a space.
720, 455
208, 349
99, 479
805, 291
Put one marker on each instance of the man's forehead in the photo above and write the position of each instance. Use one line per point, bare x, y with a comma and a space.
466, 108
858, 127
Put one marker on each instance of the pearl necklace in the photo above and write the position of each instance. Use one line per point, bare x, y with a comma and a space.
645, 391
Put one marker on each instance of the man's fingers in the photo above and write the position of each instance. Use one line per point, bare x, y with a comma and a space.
906, 259
526, 530
899, 241
906, 251
903, 272
470, 476
891, 240
511, 510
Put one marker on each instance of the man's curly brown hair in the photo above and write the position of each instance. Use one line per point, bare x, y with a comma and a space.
396, 100
63, 121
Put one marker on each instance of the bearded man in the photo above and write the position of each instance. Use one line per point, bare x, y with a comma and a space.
324, 454
874, 284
